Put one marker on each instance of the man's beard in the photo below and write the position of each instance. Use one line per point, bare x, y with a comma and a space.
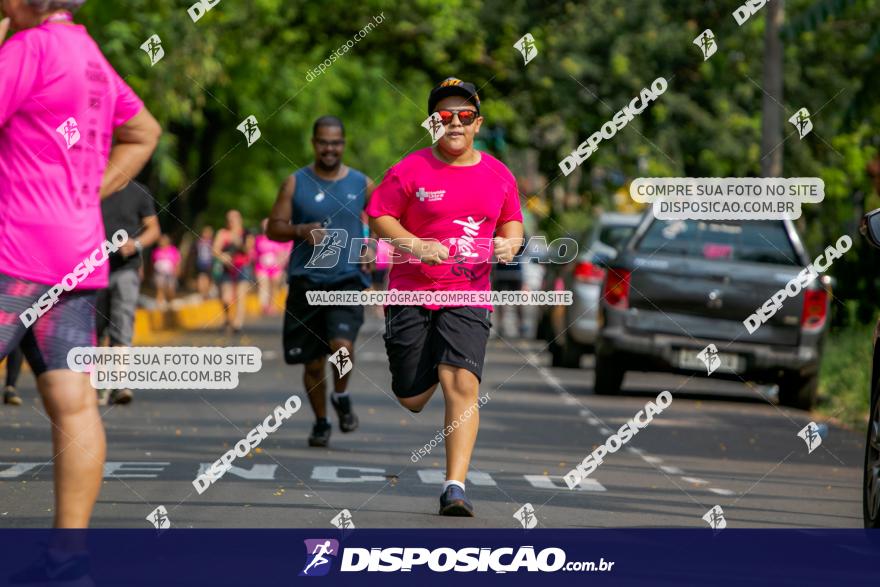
319, 164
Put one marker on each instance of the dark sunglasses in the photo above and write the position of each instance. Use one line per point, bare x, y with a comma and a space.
323, 143
466, 117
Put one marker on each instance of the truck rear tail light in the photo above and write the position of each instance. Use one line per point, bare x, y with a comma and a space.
616, 291
815, 310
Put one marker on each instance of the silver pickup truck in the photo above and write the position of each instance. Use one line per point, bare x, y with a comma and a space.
677, 287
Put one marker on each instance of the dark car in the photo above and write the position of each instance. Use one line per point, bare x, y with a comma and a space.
571, 330
871, 484
677, 287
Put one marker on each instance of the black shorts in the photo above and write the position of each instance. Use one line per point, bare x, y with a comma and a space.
417, 340
309, 329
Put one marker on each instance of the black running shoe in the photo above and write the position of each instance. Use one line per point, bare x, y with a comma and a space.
320, 435
121, 396
348, 420
72, 571
453, 502
11, 397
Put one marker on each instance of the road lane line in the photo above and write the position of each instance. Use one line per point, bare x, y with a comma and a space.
555, 482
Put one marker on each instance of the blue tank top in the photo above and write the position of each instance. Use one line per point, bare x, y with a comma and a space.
341, 201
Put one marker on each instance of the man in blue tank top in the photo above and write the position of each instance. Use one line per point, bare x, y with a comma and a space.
318, 205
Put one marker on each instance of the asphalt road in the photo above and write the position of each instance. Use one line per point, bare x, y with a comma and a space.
718, 443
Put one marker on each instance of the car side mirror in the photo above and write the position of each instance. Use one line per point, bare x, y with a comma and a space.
870, 227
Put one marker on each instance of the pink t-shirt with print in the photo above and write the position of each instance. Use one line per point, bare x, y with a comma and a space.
460, 206
59, 102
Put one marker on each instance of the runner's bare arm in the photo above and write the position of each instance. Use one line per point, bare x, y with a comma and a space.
280, 228
219, 242
133, 145
4, 28
508, 240
147, 236
370, 187
428, 251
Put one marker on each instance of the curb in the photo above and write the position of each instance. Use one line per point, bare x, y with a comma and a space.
152, 326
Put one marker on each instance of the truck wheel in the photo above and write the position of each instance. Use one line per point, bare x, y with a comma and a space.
798, 392
571, 354
609, 375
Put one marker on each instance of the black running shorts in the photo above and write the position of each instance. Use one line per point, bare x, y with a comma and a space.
417, 340
309, 329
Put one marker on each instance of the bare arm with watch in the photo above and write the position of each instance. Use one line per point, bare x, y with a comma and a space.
280, 228
147, 237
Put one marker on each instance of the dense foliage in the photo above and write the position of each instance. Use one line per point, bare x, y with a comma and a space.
252, 57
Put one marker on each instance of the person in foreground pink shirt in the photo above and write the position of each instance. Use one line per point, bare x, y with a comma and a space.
71, 133
452, 210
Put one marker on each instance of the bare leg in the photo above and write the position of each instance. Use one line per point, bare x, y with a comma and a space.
340, 384
460, 389
78, 443
316, 386
203, 285
227, 291
264, 289
241, 290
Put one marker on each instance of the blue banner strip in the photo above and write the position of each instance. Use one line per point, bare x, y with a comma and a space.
378, 557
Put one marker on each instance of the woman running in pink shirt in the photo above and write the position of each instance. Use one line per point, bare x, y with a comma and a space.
270, 259
71, 132
166, 270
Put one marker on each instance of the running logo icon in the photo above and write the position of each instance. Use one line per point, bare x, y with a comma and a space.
434, 125
706, 42
526, 46
159, 518
153, 48
251, 131
343, 520
812, 436
715, 518
709, 356
319, 555
328, 252
341, 359
526, 516
69, 129
801, 121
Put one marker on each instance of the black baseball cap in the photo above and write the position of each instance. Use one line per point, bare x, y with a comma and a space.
452, 86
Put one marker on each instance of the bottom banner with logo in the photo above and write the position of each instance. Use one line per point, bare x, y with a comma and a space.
470, 557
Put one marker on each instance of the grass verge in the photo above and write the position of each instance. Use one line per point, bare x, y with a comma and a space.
844, 381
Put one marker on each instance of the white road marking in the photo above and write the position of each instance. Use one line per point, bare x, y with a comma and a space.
672, 470
550, 482
330, 474
131, 470
17, 469
256, 473
721, 491
593, 420
437, 477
